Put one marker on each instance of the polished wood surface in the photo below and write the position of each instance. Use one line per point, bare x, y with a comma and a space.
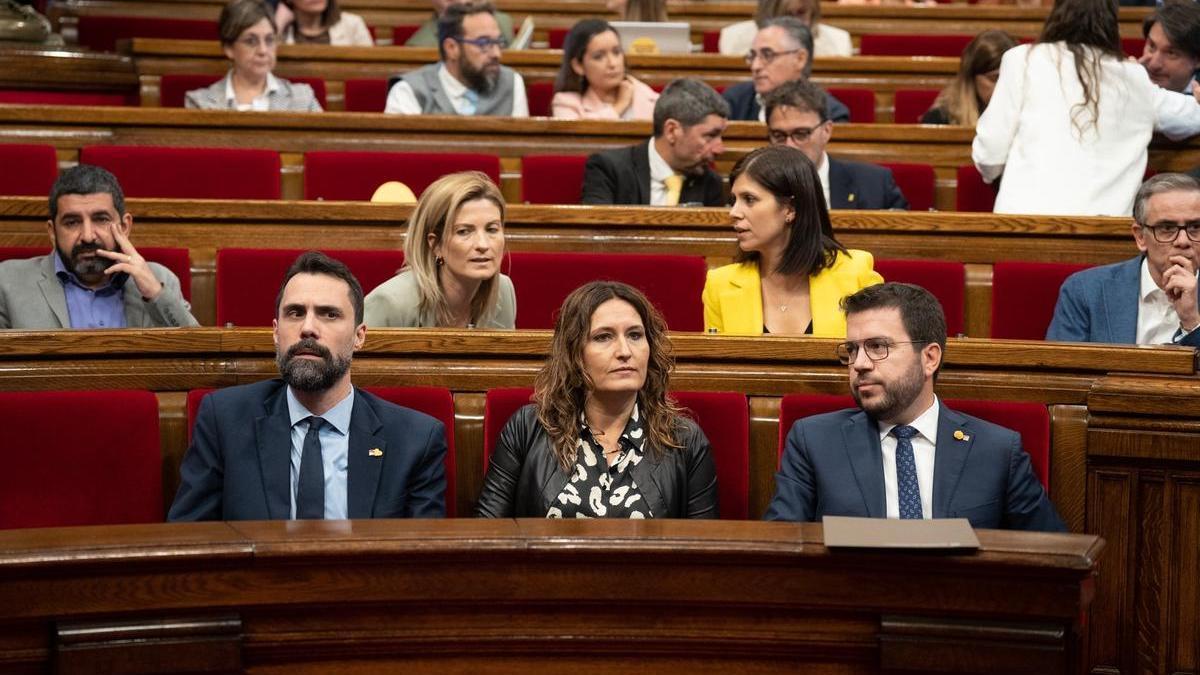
517, 596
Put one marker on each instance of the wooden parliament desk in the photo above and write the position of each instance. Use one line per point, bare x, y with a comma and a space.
1124, 460
976, 239
534, 596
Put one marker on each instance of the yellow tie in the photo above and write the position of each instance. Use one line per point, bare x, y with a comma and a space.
674, 184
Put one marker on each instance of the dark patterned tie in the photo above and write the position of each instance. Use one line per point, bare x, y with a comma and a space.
906, 473
310, 489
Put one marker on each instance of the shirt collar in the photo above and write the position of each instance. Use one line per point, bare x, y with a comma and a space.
926, 424
116, 282
337, 417
454, 89
659, 169
1147, 289
628, 437
231, 97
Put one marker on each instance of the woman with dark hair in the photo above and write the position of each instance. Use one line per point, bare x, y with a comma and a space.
322, 22
592, 82
1071, 117
790, 272
602, 439
962, 101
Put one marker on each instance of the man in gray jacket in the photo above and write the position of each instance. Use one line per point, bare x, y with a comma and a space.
94, 277
469, 79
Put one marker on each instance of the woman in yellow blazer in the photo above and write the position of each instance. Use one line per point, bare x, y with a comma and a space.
790, 272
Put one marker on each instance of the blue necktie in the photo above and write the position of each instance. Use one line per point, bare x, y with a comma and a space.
906, 473
310, 489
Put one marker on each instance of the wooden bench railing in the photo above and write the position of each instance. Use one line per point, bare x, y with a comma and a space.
1123, 446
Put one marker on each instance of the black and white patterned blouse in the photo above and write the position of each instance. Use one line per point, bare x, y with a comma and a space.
597, 490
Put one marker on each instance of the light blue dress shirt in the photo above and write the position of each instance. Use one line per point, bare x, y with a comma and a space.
335, 451
101, 308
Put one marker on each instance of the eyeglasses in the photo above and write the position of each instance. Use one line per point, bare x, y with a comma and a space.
767, 54
798, 135
484, 43
252, 41
876, 349
1168, 232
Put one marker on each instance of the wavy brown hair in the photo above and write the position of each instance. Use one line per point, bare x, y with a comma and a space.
562, 385
960, 98
1089, 30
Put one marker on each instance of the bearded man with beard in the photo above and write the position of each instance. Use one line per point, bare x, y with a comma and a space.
311, 445
468, 80
94, 277
903, 454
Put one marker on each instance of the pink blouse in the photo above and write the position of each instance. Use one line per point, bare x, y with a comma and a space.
572, 106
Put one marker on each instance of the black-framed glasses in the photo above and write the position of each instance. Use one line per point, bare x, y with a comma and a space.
766, 54
798, 135
484, 43
1165, 233
877, 349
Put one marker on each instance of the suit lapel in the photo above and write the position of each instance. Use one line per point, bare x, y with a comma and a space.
841, 186
860, 438
949, 457
273, 433
643, 475
1121, 301
53, 292
364, 469
640, 161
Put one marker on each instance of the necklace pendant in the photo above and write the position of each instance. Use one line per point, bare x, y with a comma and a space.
783, 308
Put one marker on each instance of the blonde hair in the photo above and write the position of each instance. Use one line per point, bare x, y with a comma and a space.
435, 212
960, 98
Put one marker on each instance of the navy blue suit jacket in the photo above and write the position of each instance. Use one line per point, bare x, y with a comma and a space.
1101, 305
858, 185
238, 465
743, 104
833, 465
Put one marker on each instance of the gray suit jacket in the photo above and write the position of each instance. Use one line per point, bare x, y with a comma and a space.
290, 97
32, 298
395, 302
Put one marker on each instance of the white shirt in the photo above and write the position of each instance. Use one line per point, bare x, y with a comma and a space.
402, 101
737, 38
1157, 320
823, 174
660, 171
923, 444
1049, 168
260, 102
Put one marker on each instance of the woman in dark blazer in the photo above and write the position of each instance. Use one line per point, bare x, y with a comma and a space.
602, 440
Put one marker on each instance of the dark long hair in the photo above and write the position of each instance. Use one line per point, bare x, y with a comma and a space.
1090, 31
574, 49
792, 178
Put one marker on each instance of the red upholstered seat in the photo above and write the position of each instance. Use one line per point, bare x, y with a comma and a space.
557, 37
723, 416
971, 193
178, 260
56, 98
913, 45
916, 181
912, 103
401, 34
28, 169
366, 95
1030, 420
353, 176
1024, 295
672, 282
100, 33
861, 103
1133, 46
189, 173
248, 279
102, 467
173, 87
540, 95
945, 279
712, 41
552, 179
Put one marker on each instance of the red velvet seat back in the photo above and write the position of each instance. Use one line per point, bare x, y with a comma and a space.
57, 98
916, 181
178, 260
365, 95
499, 405
189, 173
672, 282
912, 103
540, 95
711, 39
913, 45
354, 176
401, 33
100, 33
945, 279
971, 193
557, 37
861, 103
248, 279
80, 458
1133, 46
28, 170
173, 87
1024, 295
552, 179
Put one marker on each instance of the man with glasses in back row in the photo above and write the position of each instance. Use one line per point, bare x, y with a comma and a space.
1150, 298
904, 454
469, 79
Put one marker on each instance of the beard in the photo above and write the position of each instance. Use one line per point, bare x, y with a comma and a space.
307, 375
89, 270
895, 397
481, 80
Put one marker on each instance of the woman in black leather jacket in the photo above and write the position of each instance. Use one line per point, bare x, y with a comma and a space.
602, 440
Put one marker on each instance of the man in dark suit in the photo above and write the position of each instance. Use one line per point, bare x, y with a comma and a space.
794, 118
311, 445
1151, 298
904, 454
781, 53
672, 168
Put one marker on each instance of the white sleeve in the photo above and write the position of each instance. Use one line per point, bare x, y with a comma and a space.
1176, 116
998, 124
520, 106
402, 101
